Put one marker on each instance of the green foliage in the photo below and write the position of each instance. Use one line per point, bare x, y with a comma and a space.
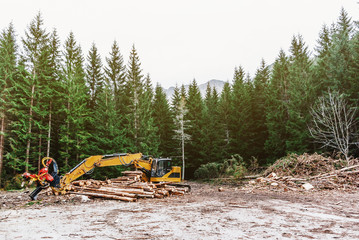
57, 103
195, 118
277, 109
208, 171
233, 166
164, 122
14, 183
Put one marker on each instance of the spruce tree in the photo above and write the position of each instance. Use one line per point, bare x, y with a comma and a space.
301, 94
195, 120
133, 89
115, 73
94, 76
340, 55
164, 121
276, 108
211, 132
225, 111
321, 75
8, 55
52, 90
258, 129
36, 56
175, 101
240, 127
73, 134
148, 134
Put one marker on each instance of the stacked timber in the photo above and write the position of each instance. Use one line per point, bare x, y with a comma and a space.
126, 188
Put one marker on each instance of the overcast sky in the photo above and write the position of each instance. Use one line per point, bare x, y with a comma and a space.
178, 41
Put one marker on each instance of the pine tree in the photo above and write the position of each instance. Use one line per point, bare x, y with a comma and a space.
52, 88
94, 76
276, 108
340, 55
301, 94
211, 132
195, 119
164, 121
8, 55
21, 93
240, 114
108, 135
36, 55
73, 135
175, 100
115, 72
225, 111
321, 69
258, 129
148, 134
133, 89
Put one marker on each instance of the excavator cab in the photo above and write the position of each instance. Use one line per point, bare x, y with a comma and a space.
163, 171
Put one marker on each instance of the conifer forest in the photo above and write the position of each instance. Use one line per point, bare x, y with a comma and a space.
58, 101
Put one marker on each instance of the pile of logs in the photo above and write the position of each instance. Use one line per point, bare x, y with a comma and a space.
126, 188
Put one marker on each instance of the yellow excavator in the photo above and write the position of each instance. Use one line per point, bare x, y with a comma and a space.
153, 170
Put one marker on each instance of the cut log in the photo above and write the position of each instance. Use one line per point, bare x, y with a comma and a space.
109, 196
132, 173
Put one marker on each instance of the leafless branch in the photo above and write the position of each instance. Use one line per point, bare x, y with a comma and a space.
333, 123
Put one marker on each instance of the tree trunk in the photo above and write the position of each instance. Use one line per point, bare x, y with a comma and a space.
29, 130
39, 154
182, 133
135, 117
49, 133
67, 134
2, 137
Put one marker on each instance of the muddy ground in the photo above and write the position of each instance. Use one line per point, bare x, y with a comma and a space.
205, 213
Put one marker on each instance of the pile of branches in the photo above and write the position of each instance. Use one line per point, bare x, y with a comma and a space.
127, 188
310, 171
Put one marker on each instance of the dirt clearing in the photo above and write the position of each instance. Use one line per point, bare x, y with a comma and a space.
205, 213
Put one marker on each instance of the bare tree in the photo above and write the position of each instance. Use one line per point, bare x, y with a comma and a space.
334, 123
180, 134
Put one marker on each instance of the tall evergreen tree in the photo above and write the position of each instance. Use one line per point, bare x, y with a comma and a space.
321, 76
134, 89
52, 88
8, 55
340, 55
225, 111
301, 93
258, 129
148, 134
211, 124
164, 121
276, 108
195, 119
94, 76
240, 113
36, 46
73, 135
115, 72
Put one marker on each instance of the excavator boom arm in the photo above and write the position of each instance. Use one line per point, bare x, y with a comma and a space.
90, 163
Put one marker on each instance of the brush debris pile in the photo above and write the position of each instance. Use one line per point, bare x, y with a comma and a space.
306, 172
126, 188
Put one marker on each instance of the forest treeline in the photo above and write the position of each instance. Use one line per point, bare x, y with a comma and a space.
57, 101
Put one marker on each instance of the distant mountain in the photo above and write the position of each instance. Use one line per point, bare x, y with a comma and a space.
218, 84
